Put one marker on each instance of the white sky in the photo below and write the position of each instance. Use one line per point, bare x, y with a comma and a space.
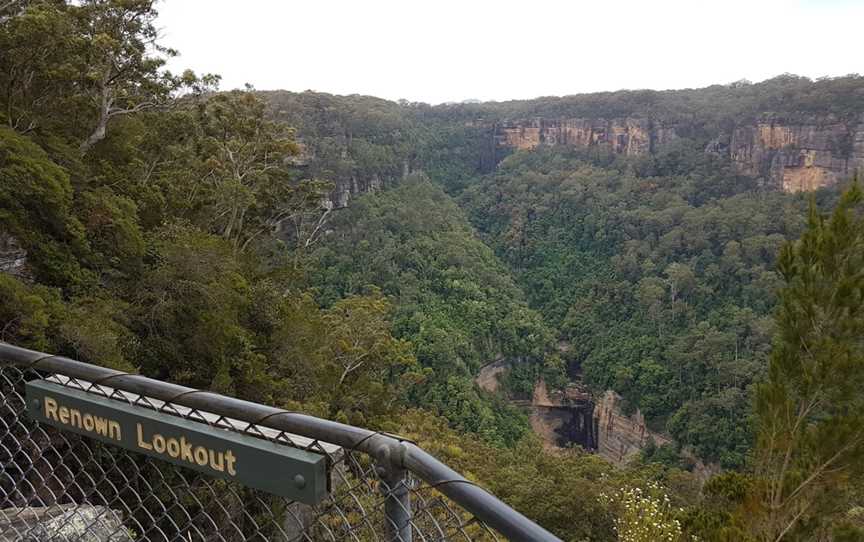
451, 50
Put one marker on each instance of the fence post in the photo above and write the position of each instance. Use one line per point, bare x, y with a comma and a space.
401, 466
397, 503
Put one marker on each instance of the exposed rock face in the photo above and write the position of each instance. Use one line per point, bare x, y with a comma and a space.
348, 185
352, 187
789, 155
562, 419
564, 426
489, 375
628, 136
62, 523
620, 437
13, 259
572, 417
798, 157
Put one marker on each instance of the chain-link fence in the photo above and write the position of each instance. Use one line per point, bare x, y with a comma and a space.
56, 485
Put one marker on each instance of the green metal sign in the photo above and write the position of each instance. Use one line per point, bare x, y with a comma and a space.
251, 461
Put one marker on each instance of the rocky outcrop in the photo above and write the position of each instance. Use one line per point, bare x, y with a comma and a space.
796, 156
348, 184
791, 155
62, 523
562, 418
627, 136
13, 258
488, 378
572, 417
353, 186
621, 436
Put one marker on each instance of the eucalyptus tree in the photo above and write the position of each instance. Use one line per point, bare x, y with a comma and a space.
245, 175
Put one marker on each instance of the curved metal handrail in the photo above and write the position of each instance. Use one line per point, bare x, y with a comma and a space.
388, 449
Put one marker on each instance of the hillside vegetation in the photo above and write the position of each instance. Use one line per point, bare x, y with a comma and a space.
191, 235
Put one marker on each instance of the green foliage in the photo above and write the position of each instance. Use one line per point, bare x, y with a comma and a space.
40, 65
245, 185
155, 225
453, 301
662, 293
26, 314
192, 300
809, 409
717, 426
88, 328
36, 209
562, 491
363, 369
347, 138
725, 501
570, 483
704, 109
185, 234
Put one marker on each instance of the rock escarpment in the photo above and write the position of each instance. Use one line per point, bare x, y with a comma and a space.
627, 136
792, 155
573, 417
797, 156
561, 418
621, 436
346, 184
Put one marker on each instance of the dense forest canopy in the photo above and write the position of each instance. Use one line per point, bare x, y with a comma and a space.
662, 282
159, 225
359, 138
741, 101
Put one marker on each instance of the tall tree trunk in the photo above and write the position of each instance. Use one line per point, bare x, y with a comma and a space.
101, 129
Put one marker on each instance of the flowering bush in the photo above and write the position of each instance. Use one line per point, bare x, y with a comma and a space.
644, 515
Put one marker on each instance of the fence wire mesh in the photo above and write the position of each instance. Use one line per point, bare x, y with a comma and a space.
56, 485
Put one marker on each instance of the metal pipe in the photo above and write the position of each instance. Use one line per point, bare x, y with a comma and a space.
397, 502
485, 506
399, 454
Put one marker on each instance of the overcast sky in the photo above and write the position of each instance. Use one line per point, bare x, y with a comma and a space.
452, 50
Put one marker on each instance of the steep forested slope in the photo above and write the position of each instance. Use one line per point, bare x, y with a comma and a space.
453, 300
191, 235
363, 143
659, 273
657, 269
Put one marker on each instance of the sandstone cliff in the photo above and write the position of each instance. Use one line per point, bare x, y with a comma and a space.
560, 418
619, 436
628, 136
347, 183
789, 155
797, 157
572, 417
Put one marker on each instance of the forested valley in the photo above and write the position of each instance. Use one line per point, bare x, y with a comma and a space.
362, 260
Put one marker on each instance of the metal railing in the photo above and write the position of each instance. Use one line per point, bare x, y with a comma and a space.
59, 486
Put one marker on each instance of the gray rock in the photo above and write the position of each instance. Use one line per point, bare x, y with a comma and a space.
13, 258
62, 523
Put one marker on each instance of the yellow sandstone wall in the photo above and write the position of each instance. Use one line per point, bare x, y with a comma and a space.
619, 436
631, 137
793, 156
